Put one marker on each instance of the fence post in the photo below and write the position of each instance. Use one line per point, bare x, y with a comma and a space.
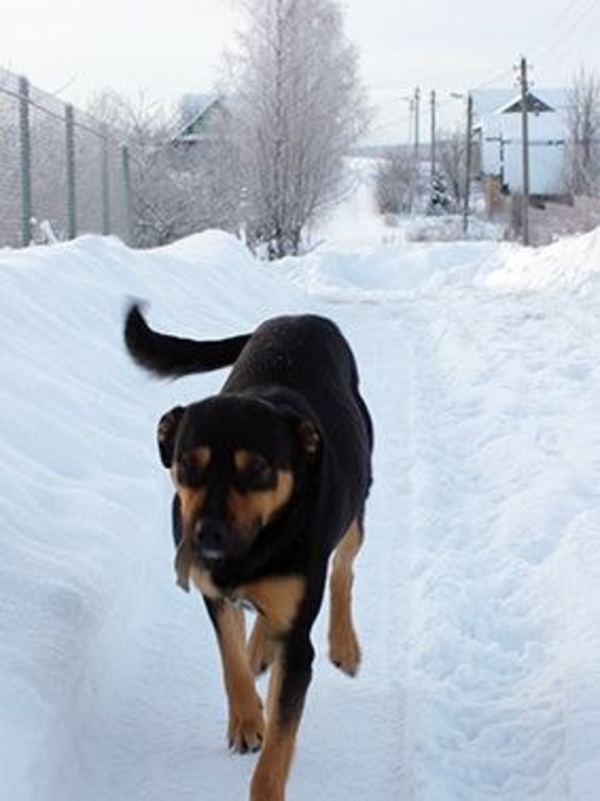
71, 190
25, 153
129, 236
105, 183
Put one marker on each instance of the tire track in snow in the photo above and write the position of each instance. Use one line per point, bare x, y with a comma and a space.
370, 711
388, 367
487, 618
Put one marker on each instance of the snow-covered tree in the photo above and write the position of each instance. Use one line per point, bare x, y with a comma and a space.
439, 199
169, 194
297, 107
162, 200
583, 121
452, 164
394, 179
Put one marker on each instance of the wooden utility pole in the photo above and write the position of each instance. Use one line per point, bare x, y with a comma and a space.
433, 154
525, 149
417, 104
469, 146
417, 101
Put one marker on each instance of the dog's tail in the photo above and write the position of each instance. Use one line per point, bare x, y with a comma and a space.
170, 356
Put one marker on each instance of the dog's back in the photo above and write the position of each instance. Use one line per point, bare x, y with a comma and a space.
309, 355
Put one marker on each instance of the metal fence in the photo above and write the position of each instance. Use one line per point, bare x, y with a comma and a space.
62, 173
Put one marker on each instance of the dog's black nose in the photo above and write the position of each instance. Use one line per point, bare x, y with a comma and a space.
210, 540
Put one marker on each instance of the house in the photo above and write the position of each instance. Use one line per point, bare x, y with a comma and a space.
500, 136
200, 115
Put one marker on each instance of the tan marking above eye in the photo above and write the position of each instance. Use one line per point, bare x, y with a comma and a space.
246, 460
241, 459
194, 461
202, 456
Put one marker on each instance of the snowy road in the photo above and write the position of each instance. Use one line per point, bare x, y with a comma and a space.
489, 406
477, 592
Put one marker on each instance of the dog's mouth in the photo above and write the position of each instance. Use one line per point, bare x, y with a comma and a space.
187, 557
211, 554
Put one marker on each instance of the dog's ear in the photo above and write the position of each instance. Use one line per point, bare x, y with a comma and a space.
166, 432
310, 438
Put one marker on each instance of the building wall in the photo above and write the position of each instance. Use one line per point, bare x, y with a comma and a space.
502, 151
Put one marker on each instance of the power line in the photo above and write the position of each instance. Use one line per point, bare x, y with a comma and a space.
558, 32
559, 46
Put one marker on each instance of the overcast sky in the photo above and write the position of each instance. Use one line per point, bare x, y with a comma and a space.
165, 49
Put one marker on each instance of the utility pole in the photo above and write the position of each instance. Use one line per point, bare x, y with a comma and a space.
416, 152
525, 149
417, 101
433, 143
411, 110
469, 146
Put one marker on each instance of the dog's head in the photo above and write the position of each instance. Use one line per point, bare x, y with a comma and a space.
234, 462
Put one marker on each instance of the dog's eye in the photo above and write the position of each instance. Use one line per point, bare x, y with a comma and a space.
256, 473
189, 474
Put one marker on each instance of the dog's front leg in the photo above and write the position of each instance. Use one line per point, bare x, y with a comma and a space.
246, 721
290, 678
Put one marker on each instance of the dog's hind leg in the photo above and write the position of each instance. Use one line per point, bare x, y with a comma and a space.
246, 721
344, 650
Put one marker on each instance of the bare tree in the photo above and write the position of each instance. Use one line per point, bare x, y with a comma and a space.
583, 120
393, 183
175, 193
452, 164
297, 107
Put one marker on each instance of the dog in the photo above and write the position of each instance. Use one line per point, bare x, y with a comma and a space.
271, 477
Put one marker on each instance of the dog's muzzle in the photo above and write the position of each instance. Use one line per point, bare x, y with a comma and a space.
211, 539
208, 544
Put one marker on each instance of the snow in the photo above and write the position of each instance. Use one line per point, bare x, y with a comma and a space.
478, 589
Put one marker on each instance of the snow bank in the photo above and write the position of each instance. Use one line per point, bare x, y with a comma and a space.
478, 589
570, 263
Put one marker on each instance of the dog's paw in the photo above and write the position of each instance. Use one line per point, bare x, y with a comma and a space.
245, 733
344, 652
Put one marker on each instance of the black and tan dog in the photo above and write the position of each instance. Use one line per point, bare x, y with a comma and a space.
271, 477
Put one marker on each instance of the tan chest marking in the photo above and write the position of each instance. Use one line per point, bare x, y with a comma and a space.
277, 599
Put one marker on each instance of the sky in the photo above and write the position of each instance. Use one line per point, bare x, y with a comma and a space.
79, 49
